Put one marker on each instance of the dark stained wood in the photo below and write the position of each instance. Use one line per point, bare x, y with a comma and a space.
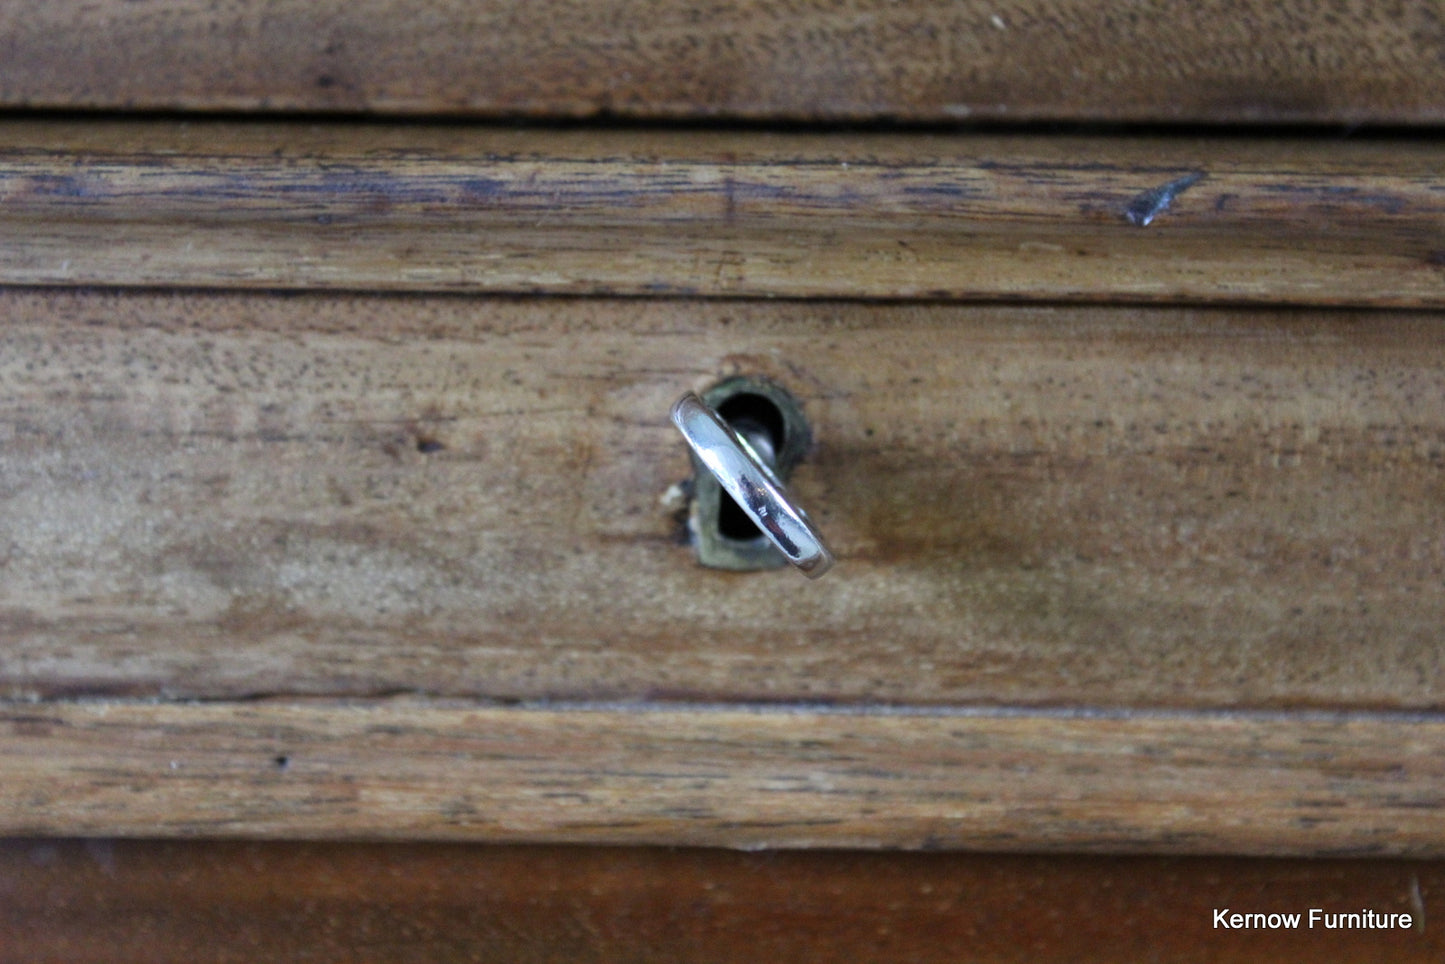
736, 776
226, 496
716, 213
916, 60
73, 902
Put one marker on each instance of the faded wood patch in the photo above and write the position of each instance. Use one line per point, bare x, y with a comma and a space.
221, 496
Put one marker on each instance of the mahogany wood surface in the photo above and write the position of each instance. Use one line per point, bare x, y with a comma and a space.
710, 213
1231, 61
156, 901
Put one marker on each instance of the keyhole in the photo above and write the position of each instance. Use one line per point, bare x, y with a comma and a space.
771, 422
760, 423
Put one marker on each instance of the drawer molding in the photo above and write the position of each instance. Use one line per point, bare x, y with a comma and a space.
722, 214
840, 60
751, 776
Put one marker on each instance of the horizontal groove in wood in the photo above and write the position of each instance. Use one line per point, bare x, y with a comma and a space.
387, 208
734, 777
1002, 60
225, 495
188, 901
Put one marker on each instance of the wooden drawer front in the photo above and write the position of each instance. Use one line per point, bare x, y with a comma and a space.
327, 516
229, 495
1150, 578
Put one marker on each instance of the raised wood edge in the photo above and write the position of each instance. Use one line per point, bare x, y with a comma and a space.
717, 214
732, 776
909, 60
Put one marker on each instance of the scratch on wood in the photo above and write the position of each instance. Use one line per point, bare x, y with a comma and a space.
1145, 207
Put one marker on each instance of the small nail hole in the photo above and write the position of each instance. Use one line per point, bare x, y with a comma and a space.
426, 445
282, 762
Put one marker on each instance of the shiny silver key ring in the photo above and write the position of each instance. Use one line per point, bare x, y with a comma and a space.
753, 486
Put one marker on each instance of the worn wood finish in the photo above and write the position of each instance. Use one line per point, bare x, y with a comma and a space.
729, 776
223, 496
575, 212
74, 902
1117, 60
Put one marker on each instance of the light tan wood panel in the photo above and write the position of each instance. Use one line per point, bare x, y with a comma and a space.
576, 212
742, 776
1156, 60
191, 901
218, 496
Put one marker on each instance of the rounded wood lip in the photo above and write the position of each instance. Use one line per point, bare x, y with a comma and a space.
1000, 62
715, 214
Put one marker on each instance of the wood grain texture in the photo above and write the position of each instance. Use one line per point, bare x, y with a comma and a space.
214, 496
1325, 784
76, 902
714, 213
1117, 60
